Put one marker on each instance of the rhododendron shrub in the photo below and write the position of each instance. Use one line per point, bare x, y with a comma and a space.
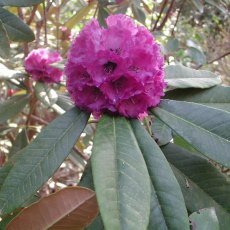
165, 171
118, 69
38, 65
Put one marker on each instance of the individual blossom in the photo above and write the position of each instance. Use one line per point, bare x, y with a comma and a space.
38, 65
117, 69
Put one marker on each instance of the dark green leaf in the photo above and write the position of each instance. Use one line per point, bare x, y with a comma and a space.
11, 107
217, 97
172, 45
168, 208
138, 13
96, 225
179, 76
39, 160
196, 55
120, 176
161, 132
204, 219
199, 5
64, 102
20, 142
102, 15
19, 3
201, 172
16, 29
205, 128
46, 94
196, 199
4, 42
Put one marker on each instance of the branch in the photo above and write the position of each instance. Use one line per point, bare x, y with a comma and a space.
160, 27
164, 3
215, 59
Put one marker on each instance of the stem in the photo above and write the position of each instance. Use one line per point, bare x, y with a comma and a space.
30, 20
164, 3
177, 18
160, 27
215, 59
45, 22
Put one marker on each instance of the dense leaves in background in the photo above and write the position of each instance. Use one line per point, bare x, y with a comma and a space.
169, 171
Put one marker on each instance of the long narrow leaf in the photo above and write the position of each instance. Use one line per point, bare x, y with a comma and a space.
39, 160
120, 176
168, 207
205, 128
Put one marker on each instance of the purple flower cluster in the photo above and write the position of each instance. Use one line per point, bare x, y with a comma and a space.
37, 64
117, 69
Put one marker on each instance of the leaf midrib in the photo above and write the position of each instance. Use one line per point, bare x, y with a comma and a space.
39, 163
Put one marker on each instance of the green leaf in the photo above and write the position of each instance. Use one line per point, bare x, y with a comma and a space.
11, 107
161, 132
205, 128
96, 225
20, 142
199, 5
204, 219
7, 74
64, 102
168, 208
102, 15
201, 172
4, 42
120, 176
39, 160
196, 55
172, 45
16, 29
76, 18
196, 199
179, 76
138, 13
45, 94
19, 3
217, 97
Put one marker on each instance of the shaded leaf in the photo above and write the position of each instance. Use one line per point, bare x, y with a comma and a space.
11, 107
4, 43
196, 199
102, 15
70, 208
65, 102
161, 132
204, 219
20, 142
96, 225
45, 94
16, 29
75, 19
217, 97
120, 176
201, 172
196, 55
172, 45
168, 208
138, 13
199, 5
39, 160
179, 76
199, 124
19, 3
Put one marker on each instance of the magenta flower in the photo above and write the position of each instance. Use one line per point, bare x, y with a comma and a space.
37, 64
117, 69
